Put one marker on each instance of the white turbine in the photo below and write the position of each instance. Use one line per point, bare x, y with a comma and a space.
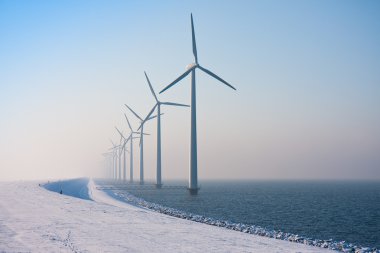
142, 122
114, 159
124, 150
118, 151
108, 163
158, 105
131, 137
193, 180
119, 155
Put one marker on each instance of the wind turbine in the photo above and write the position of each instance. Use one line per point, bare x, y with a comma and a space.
193, 181
124, 155
114, 159
119, 155
108, 163
158, 105
131, 137
117, 149
142, 122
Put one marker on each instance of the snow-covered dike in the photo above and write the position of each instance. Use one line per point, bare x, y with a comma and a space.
33, 219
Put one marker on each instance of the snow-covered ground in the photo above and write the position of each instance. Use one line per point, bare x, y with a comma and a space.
33, 219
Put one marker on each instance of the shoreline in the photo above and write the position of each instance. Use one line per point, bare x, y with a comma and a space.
341, 246
33, 219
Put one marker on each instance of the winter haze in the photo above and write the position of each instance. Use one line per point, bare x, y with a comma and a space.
307, 104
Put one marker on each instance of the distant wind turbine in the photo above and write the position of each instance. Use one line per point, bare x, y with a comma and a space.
118, 150
142, 122
131, 137
158, 105
108, 156
114, 159
193, 181
124, 150
119, 155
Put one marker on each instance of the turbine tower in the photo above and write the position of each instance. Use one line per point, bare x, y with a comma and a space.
108, 164
124, 150
114, 159
193, 180
142, 122
131, 137
120, 150
158, 105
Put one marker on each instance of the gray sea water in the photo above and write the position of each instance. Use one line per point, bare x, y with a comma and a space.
341, 211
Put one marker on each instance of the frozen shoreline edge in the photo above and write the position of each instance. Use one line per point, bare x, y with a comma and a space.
128, 198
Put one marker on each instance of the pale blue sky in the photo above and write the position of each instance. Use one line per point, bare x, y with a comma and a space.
306, 72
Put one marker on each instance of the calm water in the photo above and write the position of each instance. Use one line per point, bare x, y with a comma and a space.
348, 211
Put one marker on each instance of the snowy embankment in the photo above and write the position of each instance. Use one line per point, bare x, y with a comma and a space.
33, 219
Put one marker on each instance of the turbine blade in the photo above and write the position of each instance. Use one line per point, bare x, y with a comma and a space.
155, 116
134, 112
178, 79
150, 113
193, 38
125, 142
130, 137
150, 86
140, 134
113, 144
216, 77
120, 133
175, 104
129, 124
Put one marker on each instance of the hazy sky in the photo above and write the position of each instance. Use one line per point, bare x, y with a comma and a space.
307, 75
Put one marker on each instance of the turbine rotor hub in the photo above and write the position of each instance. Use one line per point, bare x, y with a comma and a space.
191, 65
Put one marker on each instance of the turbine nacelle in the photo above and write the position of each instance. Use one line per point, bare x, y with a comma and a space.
191, 66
